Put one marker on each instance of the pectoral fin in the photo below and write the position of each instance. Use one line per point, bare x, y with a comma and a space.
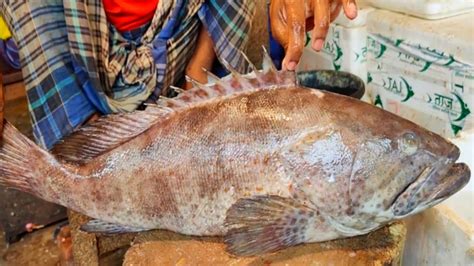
264, 224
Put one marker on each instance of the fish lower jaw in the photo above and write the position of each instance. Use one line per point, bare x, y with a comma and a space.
347, 231
322, 236
421, 208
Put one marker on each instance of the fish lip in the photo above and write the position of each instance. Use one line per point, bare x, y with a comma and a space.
454, 154
455, 179
446, 179
427, 173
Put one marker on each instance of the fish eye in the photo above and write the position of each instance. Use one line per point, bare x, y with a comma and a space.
409, 143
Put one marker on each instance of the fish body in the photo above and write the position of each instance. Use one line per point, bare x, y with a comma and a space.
259, 160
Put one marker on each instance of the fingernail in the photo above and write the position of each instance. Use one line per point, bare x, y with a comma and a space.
291, 65
352, 10
318, 44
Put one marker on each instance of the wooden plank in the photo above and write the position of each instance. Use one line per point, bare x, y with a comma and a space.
12, 77
382, 247
159, 247
84, 246
90, 249
14, 91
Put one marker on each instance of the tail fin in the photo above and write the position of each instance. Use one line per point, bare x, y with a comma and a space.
20, 160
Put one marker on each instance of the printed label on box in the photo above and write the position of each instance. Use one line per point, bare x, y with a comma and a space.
345, 49
432, 88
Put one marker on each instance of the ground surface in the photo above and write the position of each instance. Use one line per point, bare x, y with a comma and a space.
18, 208
37, 248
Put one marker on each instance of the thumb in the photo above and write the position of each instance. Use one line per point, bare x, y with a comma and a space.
296, 21
278, 23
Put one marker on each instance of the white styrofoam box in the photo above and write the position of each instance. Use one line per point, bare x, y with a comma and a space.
427, 9
416, 75
442, 106
424, 71
438, 236
444, 235
345, 49
463, 201
453, 36
363, 10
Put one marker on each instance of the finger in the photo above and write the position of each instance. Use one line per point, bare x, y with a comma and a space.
296, 20
279, 28
350, 8
321, 23
335, 10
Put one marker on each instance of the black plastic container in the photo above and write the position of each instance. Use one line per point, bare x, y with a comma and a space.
334, 81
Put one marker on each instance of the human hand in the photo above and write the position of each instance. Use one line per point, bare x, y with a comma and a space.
291, 19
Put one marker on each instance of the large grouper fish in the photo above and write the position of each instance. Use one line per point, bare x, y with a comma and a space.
255, 158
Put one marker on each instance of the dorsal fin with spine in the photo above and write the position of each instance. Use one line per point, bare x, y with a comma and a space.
111, 131
235, 82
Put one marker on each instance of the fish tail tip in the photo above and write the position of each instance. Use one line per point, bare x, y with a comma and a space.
16, 155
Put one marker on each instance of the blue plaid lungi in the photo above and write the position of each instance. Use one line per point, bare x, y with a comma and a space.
75, 64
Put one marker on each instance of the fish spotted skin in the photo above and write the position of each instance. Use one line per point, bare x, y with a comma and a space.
268, 166
182, 176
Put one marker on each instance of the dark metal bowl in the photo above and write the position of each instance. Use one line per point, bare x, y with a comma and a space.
334, 81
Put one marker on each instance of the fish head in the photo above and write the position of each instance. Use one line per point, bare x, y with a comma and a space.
362, 167
364, 174
406, 168
395, 168
398, 174
430, 172
366, 166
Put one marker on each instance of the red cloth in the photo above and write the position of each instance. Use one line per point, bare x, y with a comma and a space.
127, 15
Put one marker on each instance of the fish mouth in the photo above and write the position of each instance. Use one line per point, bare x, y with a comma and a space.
434, 184
454, 154
455, 179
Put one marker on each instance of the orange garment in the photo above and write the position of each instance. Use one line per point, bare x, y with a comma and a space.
128, 15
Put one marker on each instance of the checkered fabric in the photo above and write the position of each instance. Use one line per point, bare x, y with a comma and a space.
75, 63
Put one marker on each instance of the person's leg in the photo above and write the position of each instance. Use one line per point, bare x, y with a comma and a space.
203, 58
56, 101
228, 24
